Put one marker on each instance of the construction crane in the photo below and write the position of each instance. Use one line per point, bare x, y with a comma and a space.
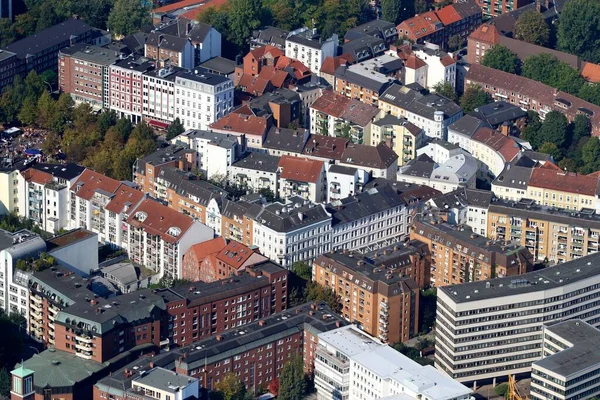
513, 392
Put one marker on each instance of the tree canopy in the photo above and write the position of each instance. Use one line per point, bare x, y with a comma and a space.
396, 11
547, 69
474, 97
127, 17
500, 57
531, 27
231, 387
292, 382
446, 89
175, 129
579, 29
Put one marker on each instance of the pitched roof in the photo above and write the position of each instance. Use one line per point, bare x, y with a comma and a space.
503, 145
166, 41
422, 25
125, 197
243, 120
300, 169
36, 176
159, 219
379, 157
591, 72
235, 254
89, 182
486, 33
332, 63
285, 139
414, 62
447, 60
329, 147
564, 181
204, 249
331, 103
448, 15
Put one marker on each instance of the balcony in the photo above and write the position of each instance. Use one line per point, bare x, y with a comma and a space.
83, 346
84, 339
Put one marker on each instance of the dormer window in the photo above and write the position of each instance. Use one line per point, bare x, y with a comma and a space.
174, 231
141, 216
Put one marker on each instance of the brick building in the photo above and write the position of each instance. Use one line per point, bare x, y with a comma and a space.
126, 82
84, 73
146, 170
198, 310
531, 95
458, 255
378, 290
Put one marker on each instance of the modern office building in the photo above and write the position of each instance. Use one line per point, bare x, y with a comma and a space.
570, 362
352, 365
489, 329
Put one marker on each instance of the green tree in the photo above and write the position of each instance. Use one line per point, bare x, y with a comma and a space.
28, 113
552, 149
63, 112
455, 42
175, 129
590, 92
292, 382
554, 129
500, 57
581, 127
474, 97
531, 27
34, 86
590, 155
231, 387
532, 129
446, 90
46, 108
303, 270
501, 389
319, 293
427, 308
127, 17
51, 144
579, 29
244, 16
568, 164
396, 11
5, 383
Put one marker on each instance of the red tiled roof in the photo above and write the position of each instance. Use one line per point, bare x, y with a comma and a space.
332, 63
242, 120
125, 196
505, 146
414, 62
262, 51
421, 25
564, 181
193, 13
331, 103
37, 176
448, 15
159, 219
591, 72
235, 254
447, 60
189, 3
300, 169
329, 147
204, 249
275, 76
486, 33
90, 181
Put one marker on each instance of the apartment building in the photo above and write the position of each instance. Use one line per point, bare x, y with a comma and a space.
377, 28
9, 179
158, 96
379, 161
159, 236
548, 233
301, 177
379, 290
126, 87
8, 65
245, 121
399, 135
493, 9
378, 216
336, 115
351, 364
44, 194
531, 95
459, 255
256, 171
493, 150
465, 206
154, 383
358, 81
205, 39
199, 310
308, 47
291, 232
429, 66
344, 182
164, 47
556, 188
146, 170
14, 295
84, 73
489, 329
457, 171
569, 363
202, 98
431, 112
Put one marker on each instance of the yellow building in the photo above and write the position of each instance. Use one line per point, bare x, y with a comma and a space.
548, 233
556, 188
400, 135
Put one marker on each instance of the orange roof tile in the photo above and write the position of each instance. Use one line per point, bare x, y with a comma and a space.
189, 3
331, 103
37, 176
242, 121
300, 169
90, 181
204, 249
564, 181
591, 72
235, 254
125, 197
414, 62
332, 63
448, 15
447, 60
159, 219
421, 25
486, 33
505, 146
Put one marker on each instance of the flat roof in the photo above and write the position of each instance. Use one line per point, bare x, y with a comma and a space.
165, 380
545, 279
95, 54
69, 238
583, 353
